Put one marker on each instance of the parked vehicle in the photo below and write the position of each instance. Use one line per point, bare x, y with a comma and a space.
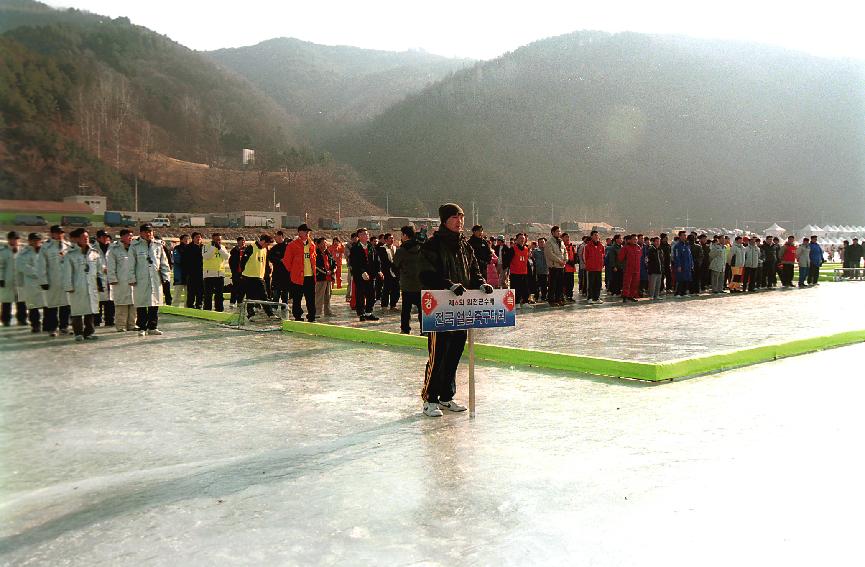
30, 220
115, 218
74, 221
160, 222
219, 221
291, 221
256, 221
328, 224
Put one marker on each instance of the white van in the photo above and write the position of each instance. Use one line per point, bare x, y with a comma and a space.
160, 222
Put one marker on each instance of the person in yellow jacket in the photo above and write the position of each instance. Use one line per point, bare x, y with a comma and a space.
214, 255
253, 266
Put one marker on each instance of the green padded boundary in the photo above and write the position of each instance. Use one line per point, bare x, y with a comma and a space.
197, 313
492, 353
653, 372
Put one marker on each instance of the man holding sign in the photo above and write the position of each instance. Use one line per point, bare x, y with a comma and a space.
448, 263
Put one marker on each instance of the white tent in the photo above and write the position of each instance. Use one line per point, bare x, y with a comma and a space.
809, 230
775, 230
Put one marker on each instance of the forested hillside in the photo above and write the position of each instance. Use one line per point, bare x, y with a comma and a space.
87, 100
636, 127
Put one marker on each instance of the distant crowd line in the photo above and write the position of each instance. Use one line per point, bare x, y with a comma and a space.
122, 283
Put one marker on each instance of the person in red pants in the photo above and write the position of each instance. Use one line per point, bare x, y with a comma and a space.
631, 255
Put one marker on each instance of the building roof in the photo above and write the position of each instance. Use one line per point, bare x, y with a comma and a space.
36, 207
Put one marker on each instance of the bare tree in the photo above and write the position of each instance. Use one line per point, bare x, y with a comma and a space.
120, 111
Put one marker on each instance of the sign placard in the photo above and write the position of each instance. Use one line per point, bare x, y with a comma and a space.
442, 310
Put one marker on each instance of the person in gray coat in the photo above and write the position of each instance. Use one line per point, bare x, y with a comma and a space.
120, 282
8, 283
717, 264
83, 270
148, 269
31, 281
753, 259
56, 312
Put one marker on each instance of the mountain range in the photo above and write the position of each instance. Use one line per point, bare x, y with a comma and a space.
629, 128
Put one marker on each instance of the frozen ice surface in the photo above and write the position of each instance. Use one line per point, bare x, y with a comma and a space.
677, 328
209, 446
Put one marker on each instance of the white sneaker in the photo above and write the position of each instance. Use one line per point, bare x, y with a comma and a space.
432, 410
452, 406
141, 332
154, 332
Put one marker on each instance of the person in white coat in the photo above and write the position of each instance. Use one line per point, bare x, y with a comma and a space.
8, 284
148, 269
803, 256
119, 280
82, 273
31, 281
56, 310
106, 301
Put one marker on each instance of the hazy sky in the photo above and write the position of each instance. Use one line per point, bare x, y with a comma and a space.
485, 29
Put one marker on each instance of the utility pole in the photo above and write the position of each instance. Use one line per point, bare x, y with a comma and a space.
387, 204
339, 212
136, 191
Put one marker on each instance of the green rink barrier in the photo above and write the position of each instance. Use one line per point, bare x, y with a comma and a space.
573, 363
223, 317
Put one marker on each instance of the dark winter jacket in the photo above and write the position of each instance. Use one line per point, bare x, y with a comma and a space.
192, 262
770, 254
275, 256
361, 261
407, 261
482, 251
654, 260
447, 260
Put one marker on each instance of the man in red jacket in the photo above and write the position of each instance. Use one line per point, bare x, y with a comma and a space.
299, 260
631, 254
594, 254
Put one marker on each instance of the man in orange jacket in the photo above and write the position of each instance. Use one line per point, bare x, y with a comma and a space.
299, 260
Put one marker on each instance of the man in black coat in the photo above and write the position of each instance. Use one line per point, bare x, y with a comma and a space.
192, 270
448, 263
483, 253
280, 278
365, 270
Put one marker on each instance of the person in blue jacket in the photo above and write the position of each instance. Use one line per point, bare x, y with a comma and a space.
816, 258
644, 265
683, 264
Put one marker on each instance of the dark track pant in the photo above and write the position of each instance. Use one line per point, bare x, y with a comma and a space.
213, 293
305, 291
569, 284
616, 282
557, 282
106, 313
787, 274
409, 298
83, 325
749, 281
253, 288
20, 312
520, 283
55, 318
194, 292
389, 292
364, 295
593, 280
35, 320
813, 275
541, 281
147, 318
237, 290
445, 350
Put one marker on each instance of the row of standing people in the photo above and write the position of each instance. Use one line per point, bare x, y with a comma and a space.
84, 283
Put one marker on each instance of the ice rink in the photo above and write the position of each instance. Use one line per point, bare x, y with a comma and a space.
214, 446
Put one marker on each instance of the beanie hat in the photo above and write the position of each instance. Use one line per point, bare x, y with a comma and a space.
448, 210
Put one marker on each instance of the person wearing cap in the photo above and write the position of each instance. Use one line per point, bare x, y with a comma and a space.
106, 303
299, 261
253, 267
179, 295
9, 295
148, 269
365, 269
448, 262
52, 255
82, 270
120, 282
31, 280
